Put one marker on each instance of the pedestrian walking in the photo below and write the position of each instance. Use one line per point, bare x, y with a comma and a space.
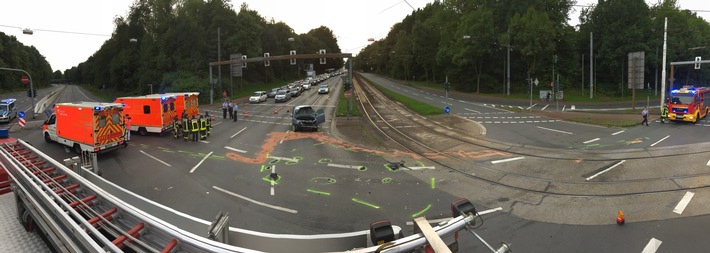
128, 127
230, 108
664, 113
224, 109
547, 97
644, 113
236, 108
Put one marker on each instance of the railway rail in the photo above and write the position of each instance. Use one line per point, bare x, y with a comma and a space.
431, 141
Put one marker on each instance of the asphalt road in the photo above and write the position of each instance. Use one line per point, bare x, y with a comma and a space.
327, 186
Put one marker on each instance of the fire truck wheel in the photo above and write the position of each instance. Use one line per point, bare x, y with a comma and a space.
142, 131
77, 148
46, 138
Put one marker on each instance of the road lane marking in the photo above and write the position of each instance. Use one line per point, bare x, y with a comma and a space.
421, 168
235, 150
283, 209
154, 158
438, 221
471, 110
544, 108
198, 164
207, 142
507, 160
619, 132
708, 164
654, 144
273, 172
564, 107
590, 141
608, 169
652, 246
283, 158
356, 167
282, 139
683, 202
554, 130
238, 132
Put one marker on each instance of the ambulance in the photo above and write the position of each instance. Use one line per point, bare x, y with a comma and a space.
87, 126
150, 113
185, 102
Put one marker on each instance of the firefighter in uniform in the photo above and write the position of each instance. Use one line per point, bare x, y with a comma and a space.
176, 128
195, 128
186, 128
209, 122
203, 128
664, 113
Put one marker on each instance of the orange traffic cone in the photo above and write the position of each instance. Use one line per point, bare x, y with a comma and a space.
620, 218
275, 110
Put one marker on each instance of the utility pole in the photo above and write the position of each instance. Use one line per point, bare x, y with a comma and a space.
663, 72
508, 67
591, 65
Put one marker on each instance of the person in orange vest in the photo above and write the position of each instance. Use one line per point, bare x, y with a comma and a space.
128, 127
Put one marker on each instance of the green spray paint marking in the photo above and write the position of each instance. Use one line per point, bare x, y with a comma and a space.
365, 203
387, 180
433, 183
422, 211
325, 160
320, 143
421, 164
319, 192
297, 158
268, 179
274, 161
263, 167
166, 150
323, 180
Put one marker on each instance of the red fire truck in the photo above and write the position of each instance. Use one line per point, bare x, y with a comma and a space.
689, 104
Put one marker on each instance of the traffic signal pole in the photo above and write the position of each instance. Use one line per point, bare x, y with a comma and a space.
32, 91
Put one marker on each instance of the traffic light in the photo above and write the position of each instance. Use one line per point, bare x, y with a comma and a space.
347, 86
266, 62
697, 65
244, 64
293, 61
446, 86
30, 92
322, 60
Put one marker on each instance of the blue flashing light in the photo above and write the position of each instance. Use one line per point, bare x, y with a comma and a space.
97, 108
8, 101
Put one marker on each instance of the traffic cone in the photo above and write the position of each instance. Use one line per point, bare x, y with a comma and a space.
620, 218
246, 113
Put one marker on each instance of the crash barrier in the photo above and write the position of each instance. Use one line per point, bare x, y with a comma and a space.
90, 214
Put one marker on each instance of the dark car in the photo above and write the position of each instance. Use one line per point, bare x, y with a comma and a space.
306, 117
272, 93
295, 92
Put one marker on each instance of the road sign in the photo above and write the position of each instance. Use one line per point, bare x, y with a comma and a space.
21, 114
25, 79
536, 82
347, 93
447, 109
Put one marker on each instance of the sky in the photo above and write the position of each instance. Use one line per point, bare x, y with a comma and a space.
68, 32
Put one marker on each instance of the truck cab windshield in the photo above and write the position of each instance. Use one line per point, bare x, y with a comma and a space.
682, 100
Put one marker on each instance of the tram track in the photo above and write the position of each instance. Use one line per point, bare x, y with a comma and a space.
420, 137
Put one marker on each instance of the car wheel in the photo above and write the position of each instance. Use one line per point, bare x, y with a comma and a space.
46, 138
142, 131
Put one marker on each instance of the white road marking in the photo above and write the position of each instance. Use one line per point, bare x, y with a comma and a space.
205, 141
590, 141
564, 107
545, 107
471, 110
344, 166
198, 164
708, 164
238, 132
554, 130
438, 221
507, 160
654, 144
608, 169
217, 123
282, 139
619, 132
256, 202
421, 168
283, 158
235, 150
652, 246
167, 164
683, 202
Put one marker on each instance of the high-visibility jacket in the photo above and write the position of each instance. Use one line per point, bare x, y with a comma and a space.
664, 111
195, 126
203, 124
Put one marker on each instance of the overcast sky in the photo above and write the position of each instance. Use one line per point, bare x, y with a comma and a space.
84, 25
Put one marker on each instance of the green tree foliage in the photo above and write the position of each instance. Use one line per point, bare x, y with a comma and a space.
15, 55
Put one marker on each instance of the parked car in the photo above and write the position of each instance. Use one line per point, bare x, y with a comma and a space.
306, 117
323, 89
258, 97
282, 96
272, 93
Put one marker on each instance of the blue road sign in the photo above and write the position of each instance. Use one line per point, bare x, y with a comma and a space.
447, 109
21, 114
